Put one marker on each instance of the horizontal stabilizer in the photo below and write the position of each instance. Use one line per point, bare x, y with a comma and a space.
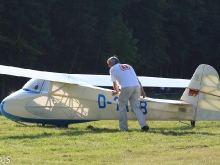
163, 82
175, 102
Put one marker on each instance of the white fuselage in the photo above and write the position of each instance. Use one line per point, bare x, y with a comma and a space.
56, 102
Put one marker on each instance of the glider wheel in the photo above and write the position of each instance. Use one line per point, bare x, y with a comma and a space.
193, 123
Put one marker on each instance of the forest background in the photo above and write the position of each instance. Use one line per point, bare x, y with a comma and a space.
161, 38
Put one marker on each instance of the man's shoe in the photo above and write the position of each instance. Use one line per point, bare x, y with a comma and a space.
145, 128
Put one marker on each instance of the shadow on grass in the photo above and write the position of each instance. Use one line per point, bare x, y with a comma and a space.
34, 136
182, 133
58, 131
184, 130
77, 131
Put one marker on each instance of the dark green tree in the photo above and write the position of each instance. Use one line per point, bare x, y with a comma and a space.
24, 27
208, 49
23, 31
108, 15
184, 18
73, 28
146, 19
120, 41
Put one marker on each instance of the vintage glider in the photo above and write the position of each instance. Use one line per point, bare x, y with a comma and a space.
62, 99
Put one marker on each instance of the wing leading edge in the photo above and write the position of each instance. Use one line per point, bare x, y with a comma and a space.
29, 73
86, 79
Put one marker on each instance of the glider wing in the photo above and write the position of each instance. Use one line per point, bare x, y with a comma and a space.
88, 79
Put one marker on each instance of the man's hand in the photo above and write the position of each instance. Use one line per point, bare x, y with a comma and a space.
114, 93
116, 89
143, 94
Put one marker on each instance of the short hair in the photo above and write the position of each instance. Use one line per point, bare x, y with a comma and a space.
113, 59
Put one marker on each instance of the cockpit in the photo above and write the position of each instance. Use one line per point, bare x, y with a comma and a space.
37, 86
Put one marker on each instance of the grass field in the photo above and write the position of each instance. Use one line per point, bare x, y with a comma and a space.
166, 143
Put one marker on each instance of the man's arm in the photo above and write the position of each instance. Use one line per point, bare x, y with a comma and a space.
116, 90
143, 94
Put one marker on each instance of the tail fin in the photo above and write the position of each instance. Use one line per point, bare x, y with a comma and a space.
203, 93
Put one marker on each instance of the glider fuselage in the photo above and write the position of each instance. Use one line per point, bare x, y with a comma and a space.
58, 103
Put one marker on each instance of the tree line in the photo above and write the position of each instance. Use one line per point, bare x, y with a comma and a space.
162, 38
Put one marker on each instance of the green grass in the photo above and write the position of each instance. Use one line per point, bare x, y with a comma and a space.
166, 143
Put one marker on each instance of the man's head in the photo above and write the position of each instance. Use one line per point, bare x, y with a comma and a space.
112, 61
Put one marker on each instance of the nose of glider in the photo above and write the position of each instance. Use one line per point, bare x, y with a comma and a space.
4, 111
12, 105
7, 110
1, 106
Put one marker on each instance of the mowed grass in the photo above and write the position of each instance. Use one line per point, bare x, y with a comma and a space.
167, 142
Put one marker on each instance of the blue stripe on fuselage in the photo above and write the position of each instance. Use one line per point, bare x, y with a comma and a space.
44, 121
29, 91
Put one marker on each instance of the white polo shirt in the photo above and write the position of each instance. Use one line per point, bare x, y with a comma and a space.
124, 74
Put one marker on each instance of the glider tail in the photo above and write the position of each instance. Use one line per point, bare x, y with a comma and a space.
203, 93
